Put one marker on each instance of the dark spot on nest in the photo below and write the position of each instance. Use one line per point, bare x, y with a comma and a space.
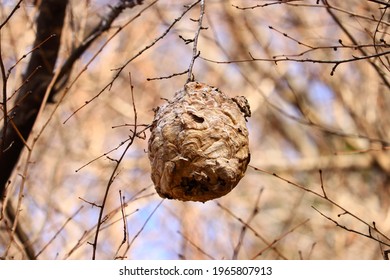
191, 186
221, 182
188, 185
198, 86
197, 119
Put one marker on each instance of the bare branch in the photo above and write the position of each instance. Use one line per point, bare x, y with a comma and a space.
59, 231
302, 60
17, 6
345, 211
255, 211
253, 230
111, 179
367, 235
195, 52
196, 246
279, 238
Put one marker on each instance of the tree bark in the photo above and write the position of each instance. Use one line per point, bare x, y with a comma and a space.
20, 120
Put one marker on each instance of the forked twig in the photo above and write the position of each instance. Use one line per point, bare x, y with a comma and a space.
120, 69
196, 246
124, 221
17, 6
371, 228
279, 238
143, 226
253, 214
113, 174
369, 235
254, 231
88, 233
58, 232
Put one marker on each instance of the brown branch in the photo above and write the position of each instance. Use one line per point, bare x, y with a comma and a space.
279, 238
50, 21
168, 77
28, 102
58, 232
354, 41
322, 185
103, 26
196, 246
20, 233
143, 226
88, 233
317, 5
111, 179
278, 2
331, 201
4, 102
124, 221
195, 52
254, 212
336, 62
380, 2
17, 6
367, 235
254, 231
381, 19
120, 69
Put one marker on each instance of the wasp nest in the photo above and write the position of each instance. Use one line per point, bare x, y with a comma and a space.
198, 148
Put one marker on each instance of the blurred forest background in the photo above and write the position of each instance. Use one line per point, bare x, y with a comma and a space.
315, 72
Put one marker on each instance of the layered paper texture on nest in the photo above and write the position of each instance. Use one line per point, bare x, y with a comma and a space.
198, 148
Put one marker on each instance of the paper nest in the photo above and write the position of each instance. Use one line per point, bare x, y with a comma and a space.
198, 148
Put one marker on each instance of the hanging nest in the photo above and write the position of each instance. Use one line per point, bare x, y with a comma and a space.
198, 148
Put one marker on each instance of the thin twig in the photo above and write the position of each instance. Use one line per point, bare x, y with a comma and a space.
380, 2
168, 77
103, 26
5, 98
336, 62
143, 226
279, 238
140, 134
59, 231
255, 211
124, 221
88, 233
20, 233
17, 6
196, 246
370, 228
343, 209
195, 52
381, 19
111, 180
35, 48
352, 38
66, 68
255, 232
120, 69
322, 185
278, 2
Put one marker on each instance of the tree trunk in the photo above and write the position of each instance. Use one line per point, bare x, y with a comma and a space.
20, 120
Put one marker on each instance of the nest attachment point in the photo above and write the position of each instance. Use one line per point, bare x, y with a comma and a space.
198, 148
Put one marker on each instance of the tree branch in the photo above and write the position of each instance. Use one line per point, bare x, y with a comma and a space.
29, 99
103, 26
195, 52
